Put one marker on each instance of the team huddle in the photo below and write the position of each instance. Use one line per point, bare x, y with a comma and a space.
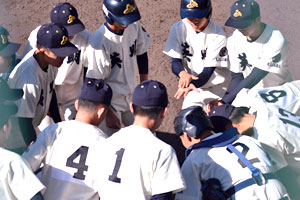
75, 124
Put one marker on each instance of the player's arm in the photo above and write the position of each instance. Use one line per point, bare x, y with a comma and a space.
164, 196
142, 62
53, 108
250, 81
27, 130
204, 76
184, 77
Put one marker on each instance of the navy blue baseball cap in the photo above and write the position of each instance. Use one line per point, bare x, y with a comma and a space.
56, 38
195, 8
243, 13
7, 93
220, 116
96, 90
150, 94
7, 48
66, 14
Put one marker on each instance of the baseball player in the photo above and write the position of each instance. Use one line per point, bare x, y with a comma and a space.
8, 57
197, 47
257, 52
17, 180
68, 149
278, 132
223, 165
36, 73
69, 77
135, 163
118, 46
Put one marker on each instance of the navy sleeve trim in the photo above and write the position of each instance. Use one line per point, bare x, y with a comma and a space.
177, 66
250, 81
164, 196
142, 62
204, 76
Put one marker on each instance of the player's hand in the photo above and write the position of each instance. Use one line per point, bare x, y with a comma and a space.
112, 121
212, 104
185, 79
184, 91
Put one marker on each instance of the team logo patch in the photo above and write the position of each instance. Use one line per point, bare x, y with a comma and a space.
3, 39
129, 9
64, 40
223, 52
71, 19
237, 13
276, 58
192, 4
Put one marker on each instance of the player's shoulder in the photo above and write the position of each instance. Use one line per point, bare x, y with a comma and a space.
216, 28
97, 38
82, 36
274, 37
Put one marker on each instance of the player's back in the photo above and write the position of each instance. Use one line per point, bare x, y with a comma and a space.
137, 165
224, 165
68, 150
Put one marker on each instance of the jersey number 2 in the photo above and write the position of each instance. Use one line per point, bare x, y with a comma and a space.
80, 166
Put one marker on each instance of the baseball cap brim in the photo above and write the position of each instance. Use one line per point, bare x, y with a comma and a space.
10, 49
64, 50
129, 18
76, 27
193, 13
238, 24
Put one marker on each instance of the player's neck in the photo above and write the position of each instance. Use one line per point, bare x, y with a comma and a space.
86, 117
259, 30
145, 122
40, 58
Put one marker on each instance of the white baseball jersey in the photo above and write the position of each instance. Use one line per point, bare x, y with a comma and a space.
205, 163
112, 57
286, 96
17, 180
137, 165
67, 150
279, 132
69, 77
199, 50
268, 52
38, 86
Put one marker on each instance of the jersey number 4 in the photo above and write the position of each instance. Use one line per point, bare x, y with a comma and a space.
80, 166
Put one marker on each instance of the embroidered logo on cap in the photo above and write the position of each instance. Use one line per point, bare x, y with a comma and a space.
4, 39
64, 40
192, 4
129, 9
237, 13
71, 19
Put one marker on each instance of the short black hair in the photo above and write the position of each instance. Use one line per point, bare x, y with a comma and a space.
150, 111
237, 114
88, 105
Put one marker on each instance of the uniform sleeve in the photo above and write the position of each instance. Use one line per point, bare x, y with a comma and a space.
143, 41
167, 177
217, 52
274, 57
23, 183
36, 153
233, 55
87, 36
28, 103
99, 64
173, 45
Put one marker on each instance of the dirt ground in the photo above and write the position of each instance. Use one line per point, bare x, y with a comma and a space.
20, 17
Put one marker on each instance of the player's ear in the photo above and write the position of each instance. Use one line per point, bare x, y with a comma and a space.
164, 112
131, 107
76, 104
101, 109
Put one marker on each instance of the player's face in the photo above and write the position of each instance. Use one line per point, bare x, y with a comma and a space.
198, 24
118, 27
54, 60
5, 63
